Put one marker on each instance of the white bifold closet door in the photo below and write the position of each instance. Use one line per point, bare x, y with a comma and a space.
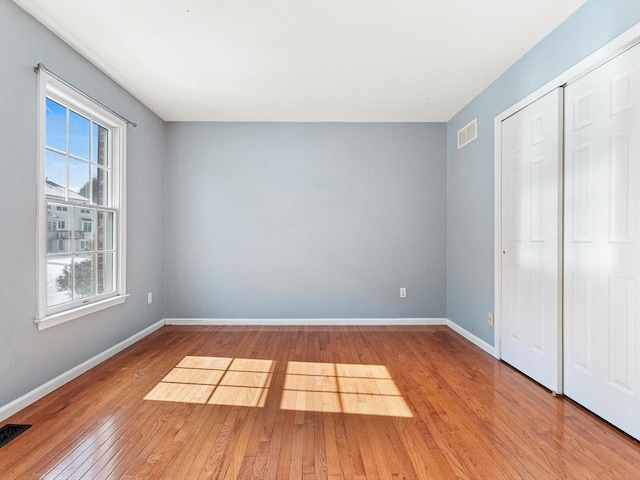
602, 242
531, 176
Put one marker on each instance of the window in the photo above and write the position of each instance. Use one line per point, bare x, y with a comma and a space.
81, 210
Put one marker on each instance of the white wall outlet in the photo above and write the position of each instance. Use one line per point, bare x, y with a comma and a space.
149, 298
490, 318
403, 292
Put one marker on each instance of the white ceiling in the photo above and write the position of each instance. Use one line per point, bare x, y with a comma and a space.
318, 60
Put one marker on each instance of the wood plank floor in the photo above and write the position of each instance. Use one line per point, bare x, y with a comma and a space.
311, 403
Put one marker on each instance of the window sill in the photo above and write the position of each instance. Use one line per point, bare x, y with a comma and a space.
62, 317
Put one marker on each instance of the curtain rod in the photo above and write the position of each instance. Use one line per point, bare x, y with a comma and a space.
41, 66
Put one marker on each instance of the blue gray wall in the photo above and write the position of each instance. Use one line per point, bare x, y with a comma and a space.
281, 220
470, 172
28, 357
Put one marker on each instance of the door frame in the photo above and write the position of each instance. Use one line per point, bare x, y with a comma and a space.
616, 46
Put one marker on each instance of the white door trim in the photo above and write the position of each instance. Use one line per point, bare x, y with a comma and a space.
600, 56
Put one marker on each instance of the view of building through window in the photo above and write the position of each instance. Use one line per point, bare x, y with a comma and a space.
80, 218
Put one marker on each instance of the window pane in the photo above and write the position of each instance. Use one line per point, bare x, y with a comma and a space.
100, 186
79, 185
58, 229
58, 280
85, 227
83, 276
105, 272
56, 175
79, 135
56, 127
80, 192
105, 231
100, 145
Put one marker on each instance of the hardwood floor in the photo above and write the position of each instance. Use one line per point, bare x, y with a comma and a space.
311, 403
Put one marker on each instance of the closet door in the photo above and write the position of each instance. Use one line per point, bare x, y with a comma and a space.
602, 246
531, 243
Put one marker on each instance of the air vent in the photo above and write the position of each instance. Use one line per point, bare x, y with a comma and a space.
11, 431
468, 133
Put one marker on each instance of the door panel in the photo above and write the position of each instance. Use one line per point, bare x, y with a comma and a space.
602, 245
530, 240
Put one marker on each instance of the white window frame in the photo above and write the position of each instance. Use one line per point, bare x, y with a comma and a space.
50, 87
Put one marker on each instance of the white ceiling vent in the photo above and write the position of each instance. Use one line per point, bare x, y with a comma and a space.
468, 133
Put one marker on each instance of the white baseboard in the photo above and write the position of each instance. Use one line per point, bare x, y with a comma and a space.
472, 338
332, 322
36, 394
306, 321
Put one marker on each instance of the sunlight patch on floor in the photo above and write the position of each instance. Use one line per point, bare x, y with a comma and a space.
308, 386
342, 388
240, 382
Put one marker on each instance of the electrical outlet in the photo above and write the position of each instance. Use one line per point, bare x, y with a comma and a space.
403, 292
149, 298
490, 318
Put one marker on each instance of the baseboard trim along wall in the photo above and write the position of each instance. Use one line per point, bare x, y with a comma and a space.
337, 321
36, 394
306, 321
478, 342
